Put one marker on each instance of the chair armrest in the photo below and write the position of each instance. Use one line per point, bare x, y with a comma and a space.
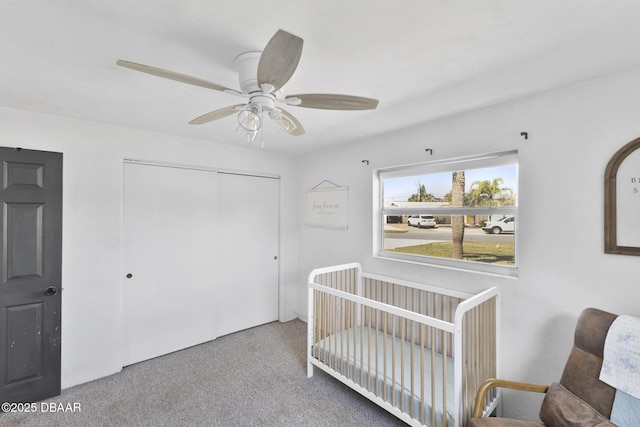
492, 383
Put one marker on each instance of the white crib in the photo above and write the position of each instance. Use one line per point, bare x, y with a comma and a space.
418, 351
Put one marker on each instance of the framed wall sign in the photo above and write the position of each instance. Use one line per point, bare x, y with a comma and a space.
327, 207
622, 201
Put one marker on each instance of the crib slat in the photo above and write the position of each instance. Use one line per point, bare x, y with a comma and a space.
332, 319
444, 381
354, 325
360, 329
344, 316
377, 354
422, 380
369, 351
433, 375
415, 304
393, 359
385, 325
402, 341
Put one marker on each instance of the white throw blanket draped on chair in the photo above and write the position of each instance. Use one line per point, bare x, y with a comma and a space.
621, 362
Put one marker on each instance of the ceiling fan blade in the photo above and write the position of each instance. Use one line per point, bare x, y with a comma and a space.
298, 129
215, 115
279, 59
176, 76
327, 101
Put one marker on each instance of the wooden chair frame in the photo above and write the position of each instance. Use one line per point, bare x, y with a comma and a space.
492, 383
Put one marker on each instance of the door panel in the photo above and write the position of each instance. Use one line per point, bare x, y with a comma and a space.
30, 274
169, 239
24, 240
20, 319
248, 232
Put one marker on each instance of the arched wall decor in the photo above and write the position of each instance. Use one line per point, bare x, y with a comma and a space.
622, 201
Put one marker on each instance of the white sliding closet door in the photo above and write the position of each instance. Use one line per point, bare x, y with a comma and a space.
170, 289
248, 223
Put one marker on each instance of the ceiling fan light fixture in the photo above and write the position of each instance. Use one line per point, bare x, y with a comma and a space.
283, 124
250, 119
251, 136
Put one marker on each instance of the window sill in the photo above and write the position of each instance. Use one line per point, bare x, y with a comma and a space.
500, 271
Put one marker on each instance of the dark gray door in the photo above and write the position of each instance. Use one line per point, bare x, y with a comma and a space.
30, 274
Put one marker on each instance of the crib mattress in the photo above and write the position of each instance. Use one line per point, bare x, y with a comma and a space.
348, 353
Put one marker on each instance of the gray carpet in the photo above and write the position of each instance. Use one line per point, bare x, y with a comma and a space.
255, 377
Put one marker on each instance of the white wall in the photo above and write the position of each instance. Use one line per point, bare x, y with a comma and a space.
92, 276
573, 132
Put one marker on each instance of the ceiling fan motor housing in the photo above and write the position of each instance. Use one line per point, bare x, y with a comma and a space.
246, 64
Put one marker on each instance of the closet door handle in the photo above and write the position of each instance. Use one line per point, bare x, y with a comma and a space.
51, 291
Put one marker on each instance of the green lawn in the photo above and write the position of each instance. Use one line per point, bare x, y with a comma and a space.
487, 252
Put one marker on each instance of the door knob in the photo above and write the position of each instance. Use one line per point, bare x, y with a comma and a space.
51, 290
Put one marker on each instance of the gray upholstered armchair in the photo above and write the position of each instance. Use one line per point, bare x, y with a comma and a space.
580, 398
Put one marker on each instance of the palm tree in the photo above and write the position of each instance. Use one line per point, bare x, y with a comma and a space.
488, 193
457, 221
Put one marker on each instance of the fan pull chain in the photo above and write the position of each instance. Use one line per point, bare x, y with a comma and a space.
261, 129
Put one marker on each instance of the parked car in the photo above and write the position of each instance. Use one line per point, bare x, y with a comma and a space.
506, 224
422, 221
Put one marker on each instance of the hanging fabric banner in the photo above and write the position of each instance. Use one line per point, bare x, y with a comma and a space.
327, 207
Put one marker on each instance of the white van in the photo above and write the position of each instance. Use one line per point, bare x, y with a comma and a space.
506, 224
422, 221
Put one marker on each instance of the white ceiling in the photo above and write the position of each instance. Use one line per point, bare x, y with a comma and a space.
422, 59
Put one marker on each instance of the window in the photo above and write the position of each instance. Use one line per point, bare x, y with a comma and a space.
459, 213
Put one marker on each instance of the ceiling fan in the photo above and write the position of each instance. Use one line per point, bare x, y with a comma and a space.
261, 76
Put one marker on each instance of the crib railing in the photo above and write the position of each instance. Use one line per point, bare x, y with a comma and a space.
478, 344
400, 343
